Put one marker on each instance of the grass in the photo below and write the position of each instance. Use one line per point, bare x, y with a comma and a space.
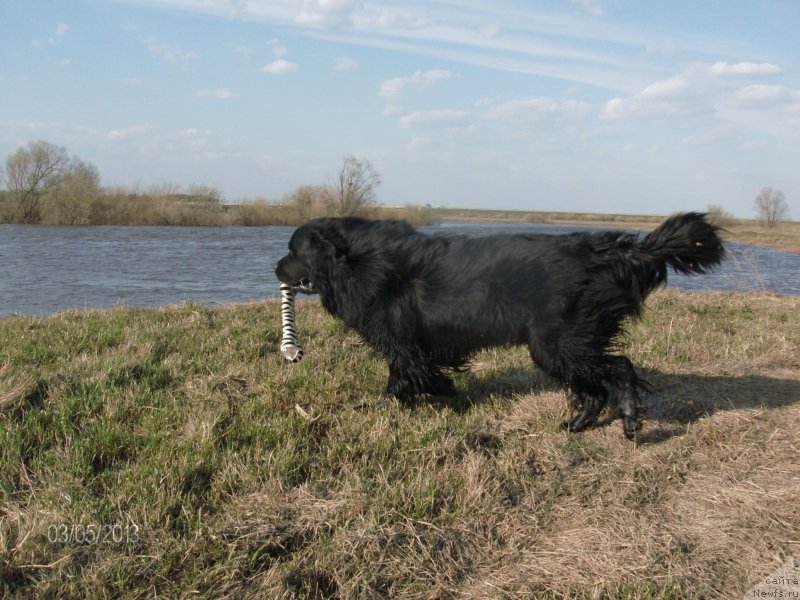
784, 237
540, 216
173, 453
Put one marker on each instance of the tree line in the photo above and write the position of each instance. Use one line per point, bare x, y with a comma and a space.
44, 184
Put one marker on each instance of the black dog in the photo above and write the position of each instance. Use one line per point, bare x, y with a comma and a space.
426, 302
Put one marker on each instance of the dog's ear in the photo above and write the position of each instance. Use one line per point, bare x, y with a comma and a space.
327, 248
327, 253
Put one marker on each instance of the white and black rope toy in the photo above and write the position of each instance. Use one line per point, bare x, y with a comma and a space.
290, 349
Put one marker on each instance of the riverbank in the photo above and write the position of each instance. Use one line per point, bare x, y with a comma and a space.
173, 452
785, 237
202, 207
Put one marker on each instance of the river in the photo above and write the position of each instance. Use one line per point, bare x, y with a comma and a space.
44, 270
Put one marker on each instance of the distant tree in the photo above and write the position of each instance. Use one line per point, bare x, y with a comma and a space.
42, 177
72, 202
163, 191
307, 198
719, 216
355, 186
205, 194
31, 172
771, 207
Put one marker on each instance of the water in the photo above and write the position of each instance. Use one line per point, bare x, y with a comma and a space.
49, 269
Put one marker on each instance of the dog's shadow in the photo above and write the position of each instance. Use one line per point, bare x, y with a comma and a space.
674, 401
475, 388
679, 400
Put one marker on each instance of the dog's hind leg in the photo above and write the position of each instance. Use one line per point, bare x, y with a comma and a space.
593, 376
619, 376
625, 396
592, 405
629, 401
629, 411
576, 371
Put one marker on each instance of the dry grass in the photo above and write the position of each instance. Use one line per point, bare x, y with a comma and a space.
784, 236
197, 206
243, 476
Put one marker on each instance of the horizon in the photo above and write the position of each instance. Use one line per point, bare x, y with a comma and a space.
603, 106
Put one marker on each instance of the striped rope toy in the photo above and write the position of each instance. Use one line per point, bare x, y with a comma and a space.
290, 349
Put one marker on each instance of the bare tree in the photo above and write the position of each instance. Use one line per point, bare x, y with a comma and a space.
771, 207
31, 172
354, 187
308, 197
73, 200
719, 216
205, 194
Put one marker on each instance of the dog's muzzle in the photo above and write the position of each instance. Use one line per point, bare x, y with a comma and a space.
305, 285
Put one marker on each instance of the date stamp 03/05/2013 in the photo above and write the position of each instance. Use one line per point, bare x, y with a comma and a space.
89, 534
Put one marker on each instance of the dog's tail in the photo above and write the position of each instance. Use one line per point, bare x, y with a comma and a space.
686, 242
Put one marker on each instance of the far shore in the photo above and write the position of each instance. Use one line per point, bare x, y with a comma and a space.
784, 237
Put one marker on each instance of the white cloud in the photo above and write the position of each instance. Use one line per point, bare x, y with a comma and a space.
127, 132
280, 67
60, 32
641, 107
417, 143
193, 132
396, 19
420, 80
597, 8
744, 70
435, 119
219, 93
278, 49
342, 65
242, 50
393, 110
535, 109
492, 31
169, 54
700, 89
674, 87
329, 14
764, 96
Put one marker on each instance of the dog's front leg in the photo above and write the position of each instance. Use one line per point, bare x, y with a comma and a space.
409, 379
398, 385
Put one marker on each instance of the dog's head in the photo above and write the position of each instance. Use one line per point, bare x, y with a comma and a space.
317, 255
296, 268
345, 260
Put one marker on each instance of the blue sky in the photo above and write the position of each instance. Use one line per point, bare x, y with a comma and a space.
598, 105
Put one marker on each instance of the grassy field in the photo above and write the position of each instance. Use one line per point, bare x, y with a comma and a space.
172, 453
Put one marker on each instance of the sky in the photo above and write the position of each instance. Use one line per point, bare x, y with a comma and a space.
614, 106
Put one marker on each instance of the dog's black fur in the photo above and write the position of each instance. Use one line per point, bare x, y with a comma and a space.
426, 302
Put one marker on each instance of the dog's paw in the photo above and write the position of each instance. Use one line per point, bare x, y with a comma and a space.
630, 425
401, 390
585, 419
443, 386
